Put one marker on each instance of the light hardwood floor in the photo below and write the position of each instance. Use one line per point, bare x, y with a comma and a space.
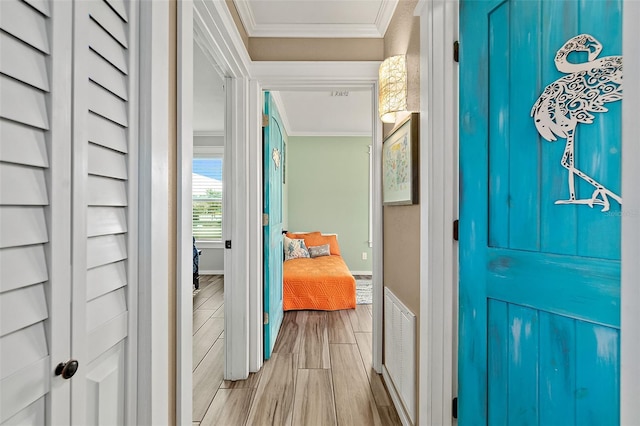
319, 374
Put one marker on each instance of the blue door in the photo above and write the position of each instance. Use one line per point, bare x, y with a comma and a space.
540, 208
273, 251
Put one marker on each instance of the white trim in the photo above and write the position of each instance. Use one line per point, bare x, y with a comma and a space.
153, 339
316, 75
313, 75
235, 226
220, 37
58, 250
184, 201
438, 197
376, 29
377, 258
361, 272
630, 291
211, 272
331, 134
254, 180
203, 151
393, 393
205, 133
133, 226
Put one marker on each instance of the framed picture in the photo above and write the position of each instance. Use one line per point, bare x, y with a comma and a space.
400, 163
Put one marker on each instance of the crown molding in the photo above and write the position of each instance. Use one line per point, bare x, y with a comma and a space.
376, 29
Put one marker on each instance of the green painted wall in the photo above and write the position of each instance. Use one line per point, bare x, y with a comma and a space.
328, 191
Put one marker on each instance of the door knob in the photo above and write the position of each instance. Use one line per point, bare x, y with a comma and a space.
67, 369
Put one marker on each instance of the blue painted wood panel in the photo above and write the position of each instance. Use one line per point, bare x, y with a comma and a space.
273, 250
539, 282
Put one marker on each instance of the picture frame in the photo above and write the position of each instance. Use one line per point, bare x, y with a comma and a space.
400, 168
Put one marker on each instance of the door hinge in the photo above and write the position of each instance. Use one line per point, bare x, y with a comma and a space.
227, 244
454, 408
456, 51
265, 120
456, 226
265, 318
265, 219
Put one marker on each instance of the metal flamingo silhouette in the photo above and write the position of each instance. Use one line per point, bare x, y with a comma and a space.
573, 99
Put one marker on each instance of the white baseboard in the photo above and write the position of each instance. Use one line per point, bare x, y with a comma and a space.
211, 272
404, 418
361, 273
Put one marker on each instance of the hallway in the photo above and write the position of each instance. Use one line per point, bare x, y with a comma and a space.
320, 372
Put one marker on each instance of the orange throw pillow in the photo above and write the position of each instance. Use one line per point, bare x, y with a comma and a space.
317, 239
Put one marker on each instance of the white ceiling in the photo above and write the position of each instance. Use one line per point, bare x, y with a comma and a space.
320, 113
208, 99
339, 112
316, 18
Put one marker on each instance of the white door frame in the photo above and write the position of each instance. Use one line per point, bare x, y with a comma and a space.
630, 296
283, 75
217, 35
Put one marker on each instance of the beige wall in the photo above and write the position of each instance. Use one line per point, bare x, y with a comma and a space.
401, 224
236, 18
316, 49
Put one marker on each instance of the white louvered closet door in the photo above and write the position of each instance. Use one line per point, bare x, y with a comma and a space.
68, 219
104, 213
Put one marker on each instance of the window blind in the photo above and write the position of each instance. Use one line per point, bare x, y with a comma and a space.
207, 197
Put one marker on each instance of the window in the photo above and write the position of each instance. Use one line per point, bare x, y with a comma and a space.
207, 194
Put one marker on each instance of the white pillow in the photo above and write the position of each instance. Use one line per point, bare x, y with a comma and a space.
294, 249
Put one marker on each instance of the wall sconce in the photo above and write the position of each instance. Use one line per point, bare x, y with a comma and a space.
392, 95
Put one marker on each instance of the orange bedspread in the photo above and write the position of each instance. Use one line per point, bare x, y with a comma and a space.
322, 283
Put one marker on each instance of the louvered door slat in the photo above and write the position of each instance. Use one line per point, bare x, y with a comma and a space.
22, 144
107, 47
106, 220
107, 162
21, 185
104, 103
28, 384
120, 8
41, 6
33, 415
22, 266
108, 19
32, 342
22, 62
103, 132
104, 250
107, 76
24, 23
32, 108
106, 192
105, 308
104, 279
22, 226
22, 308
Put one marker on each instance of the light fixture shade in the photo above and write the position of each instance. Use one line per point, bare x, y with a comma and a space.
392, 95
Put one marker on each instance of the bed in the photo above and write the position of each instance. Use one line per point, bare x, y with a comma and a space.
323, 282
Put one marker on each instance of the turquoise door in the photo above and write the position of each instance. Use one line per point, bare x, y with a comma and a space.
273, 251
539, 325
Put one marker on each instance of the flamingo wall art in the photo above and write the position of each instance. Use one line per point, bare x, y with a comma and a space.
571, 100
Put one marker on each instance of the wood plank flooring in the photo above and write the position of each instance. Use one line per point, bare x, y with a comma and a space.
320, 372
